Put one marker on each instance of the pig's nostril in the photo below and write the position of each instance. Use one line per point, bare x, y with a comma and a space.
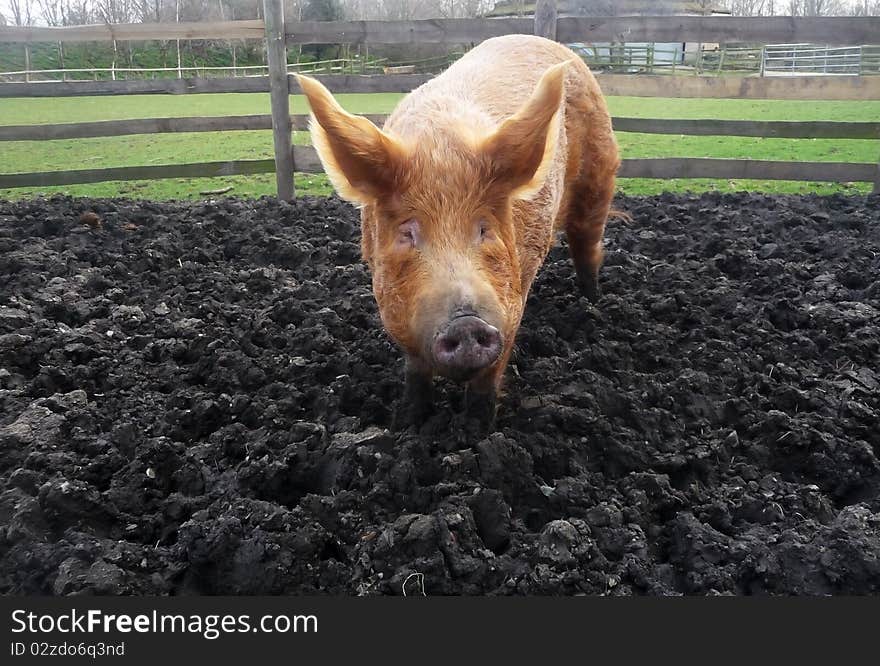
467, 343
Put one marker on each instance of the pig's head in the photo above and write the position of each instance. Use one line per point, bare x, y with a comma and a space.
438, 228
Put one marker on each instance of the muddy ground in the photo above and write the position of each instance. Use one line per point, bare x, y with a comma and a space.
196, 398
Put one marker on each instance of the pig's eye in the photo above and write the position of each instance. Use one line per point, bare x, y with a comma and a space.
485, 231
407, 235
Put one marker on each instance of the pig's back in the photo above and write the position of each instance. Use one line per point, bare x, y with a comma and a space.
500, 74
487, 85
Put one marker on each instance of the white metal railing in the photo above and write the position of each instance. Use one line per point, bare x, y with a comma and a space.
337, 65
90, 70
772, 60
794, 59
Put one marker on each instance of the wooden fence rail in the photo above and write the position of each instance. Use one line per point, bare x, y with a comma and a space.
706, 167
732, 87
155, 172
306, 160
277, 32
780, 129
240, 84
122, 32
841, 31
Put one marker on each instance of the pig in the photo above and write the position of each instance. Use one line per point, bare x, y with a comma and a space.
461, 194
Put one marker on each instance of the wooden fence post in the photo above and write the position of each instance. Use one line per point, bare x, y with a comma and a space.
876, 189
279, 91
545, 19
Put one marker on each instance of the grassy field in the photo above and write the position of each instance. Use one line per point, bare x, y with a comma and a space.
24, 156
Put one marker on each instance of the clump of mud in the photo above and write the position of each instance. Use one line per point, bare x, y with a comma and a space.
197, 398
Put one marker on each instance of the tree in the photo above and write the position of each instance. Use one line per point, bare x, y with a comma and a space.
823, 7
21, 11
815, 7
705, 7
866, 8
79, 13
51, 11
462, 8
748, 7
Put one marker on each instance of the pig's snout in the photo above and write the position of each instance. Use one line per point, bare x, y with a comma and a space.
466, 345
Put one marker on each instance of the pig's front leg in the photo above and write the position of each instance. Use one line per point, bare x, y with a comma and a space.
418, 394
481, 405
588, 282
481, 400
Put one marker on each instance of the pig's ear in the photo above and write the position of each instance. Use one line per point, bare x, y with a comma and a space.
522, 148
362, 162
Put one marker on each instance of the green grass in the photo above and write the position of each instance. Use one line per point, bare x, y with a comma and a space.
24, 156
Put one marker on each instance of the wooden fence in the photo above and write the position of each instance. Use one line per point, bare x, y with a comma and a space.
279, 83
